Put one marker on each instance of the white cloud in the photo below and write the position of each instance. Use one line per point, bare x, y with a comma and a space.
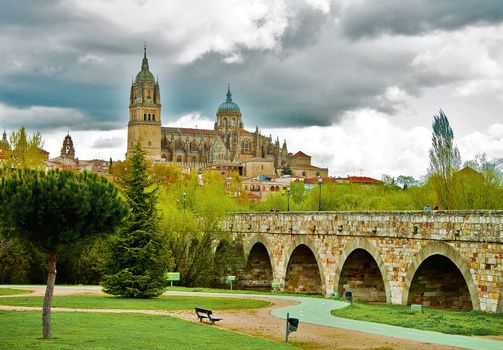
193, 120
90, 59
39, 117
90, 144
472, 55
489, 141
364, 142
322, 5
205, 26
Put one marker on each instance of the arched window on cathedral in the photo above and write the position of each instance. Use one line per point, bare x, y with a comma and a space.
149, 117
153, 117
233, 121
145, 117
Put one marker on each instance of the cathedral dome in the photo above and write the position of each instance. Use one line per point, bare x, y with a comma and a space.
228, 105
144, 76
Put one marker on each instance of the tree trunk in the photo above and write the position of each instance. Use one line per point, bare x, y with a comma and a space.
51, 281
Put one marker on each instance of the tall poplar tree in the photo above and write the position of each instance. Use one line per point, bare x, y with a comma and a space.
138, 257
444, 159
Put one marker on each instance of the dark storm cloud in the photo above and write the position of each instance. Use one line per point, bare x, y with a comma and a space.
59, 57
411, 17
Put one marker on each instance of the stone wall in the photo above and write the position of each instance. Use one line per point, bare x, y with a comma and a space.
398, 242
258, 271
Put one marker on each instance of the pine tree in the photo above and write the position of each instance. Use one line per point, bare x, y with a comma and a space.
138, 259
56, 210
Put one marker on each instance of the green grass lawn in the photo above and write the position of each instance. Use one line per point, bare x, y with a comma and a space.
160, 303
74, 330
450, 322
238, 291
10, 291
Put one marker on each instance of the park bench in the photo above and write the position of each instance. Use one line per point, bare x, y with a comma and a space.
205, 313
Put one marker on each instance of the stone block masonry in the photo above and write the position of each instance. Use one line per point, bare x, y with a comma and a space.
448, 259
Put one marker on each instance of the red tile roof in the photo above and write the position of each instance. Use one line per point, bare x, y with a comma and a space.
359, 179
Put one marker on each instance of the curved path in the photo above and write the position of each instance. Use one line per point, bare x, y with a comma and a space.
317, 311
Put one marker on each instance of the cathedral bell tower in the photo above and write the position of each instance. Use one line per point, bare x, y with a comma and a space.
67, 150
229, 123
145, 113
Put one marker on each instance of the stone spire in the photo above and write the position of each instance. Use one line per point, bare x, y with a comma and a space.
144, 62
4, 144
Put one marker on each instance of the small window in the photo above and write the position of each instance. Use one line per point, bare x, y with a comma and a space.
150, 143
145, 117
153, 117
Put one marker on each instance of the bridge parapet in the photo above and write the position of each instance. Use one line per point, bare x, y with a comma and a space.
485, 226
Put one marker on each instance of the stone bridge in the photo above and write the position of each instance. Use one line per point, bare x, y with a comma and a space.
447, 259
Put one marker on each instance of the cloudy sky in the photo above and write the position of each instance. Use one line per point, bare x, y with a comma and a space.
354, 83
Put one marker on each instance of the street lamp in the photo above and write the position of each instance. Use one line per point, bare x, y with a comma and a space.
320, 181
288, 194
184, 200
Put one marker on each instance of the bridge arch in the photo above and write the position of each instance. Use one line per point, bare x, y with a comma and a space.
302, 267
258, 268
436, 255
360, 249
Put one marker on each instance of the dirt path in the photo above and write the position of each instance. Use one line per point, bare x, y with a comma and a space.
259, 322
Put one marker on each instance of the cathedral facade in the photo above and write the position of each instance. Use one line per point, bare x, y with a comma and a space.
227, 147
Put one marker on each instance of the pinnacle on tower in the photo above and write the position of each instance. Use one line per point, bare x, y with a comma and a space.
229, 94
144, 62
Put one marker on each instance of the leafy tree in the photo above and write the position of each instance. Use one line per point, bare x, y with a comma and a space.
24, 151
236, 189
15, 261
297, 191
55, 210
405, 181
444, 159
388, 179
138, 259
120, 171
165, 174
286, 170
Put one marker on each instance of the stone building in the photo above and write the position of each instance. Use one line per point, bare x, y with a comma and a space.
300, 165
226, 148
67, 160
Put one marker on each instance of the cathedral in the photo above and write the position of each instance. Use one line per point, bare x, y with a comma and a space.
226, 148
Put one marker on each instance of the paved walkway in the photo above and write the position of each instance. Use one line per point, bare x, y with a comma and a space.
317, 311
